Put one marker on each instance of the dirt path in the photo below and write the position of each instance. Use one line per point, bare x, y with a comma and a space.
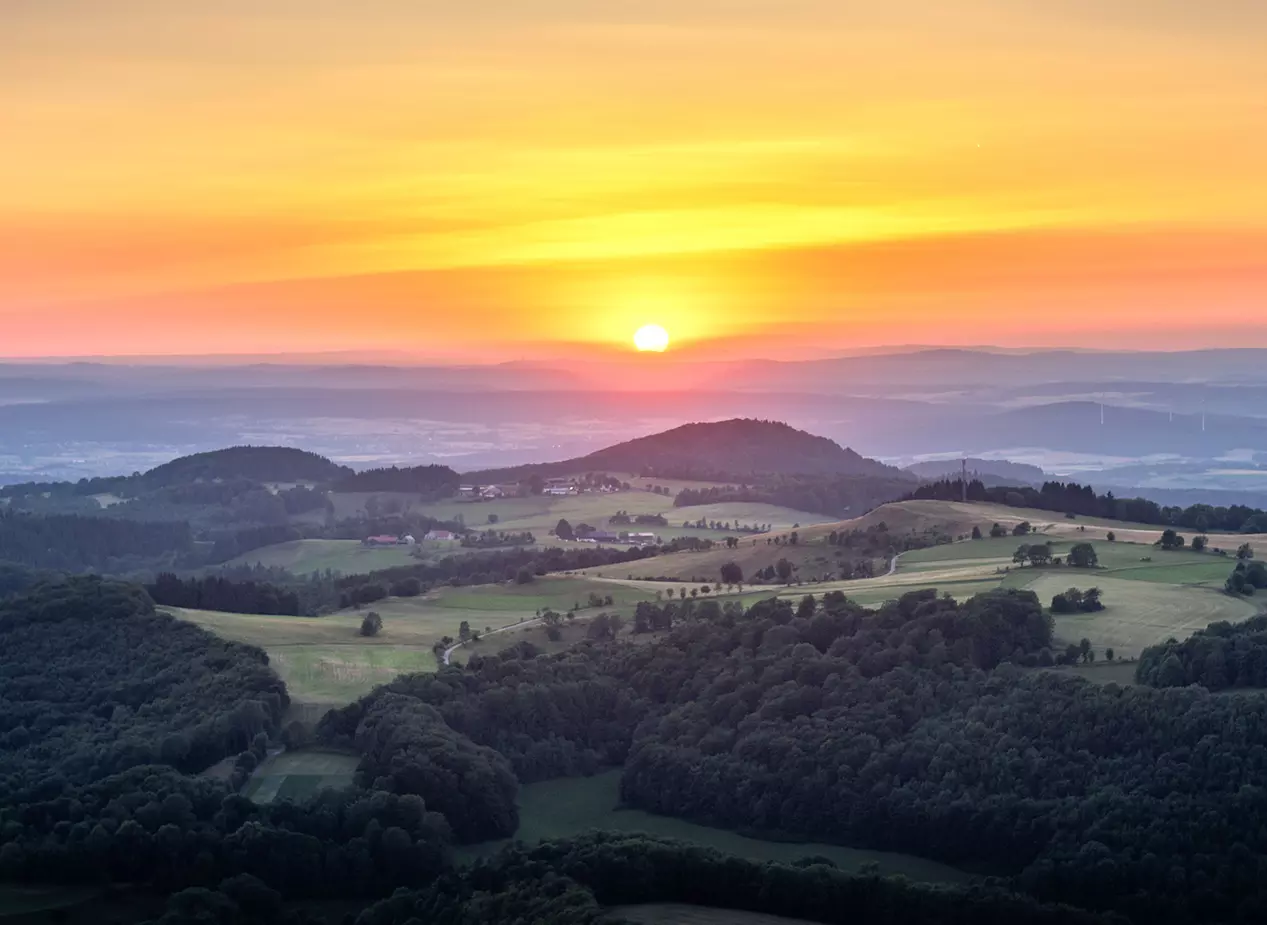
501, 629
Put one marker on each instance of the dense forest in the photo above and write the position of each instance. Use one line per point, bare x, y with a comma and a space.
910, 728
94, 682
577, 881
75, 543
1072, 498
215, 592
106, 707
428, 482
1220, 656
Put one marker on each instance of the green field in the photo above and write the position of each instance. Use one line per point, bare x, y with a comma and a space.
1137, 614
571, 806
347, 557
683, 914
326, 662
539, 514
296, 775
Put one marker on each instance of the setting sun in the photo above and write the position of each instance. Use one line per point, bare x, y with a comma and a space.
651, 337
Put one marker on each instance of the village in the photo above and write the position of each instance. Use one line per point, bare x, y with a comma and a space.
552, 488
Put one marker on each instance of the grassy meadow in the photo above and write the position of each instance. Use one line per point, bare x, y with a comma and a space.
1137, 614
1149, 594
571, 806
347, 557
326, 662
298, 774
540, 513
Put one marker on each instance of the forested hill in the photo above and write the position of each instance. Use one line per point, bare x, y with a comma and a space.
233, 464
732, 450
258, 463
990, 471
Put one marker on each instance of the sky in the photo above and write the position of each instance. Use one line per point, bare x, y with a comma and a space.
538, 178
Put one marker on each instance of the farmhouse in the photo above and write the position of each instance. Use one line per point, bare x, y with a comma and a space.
447, 536
468, 491
643, 539
383, 540
601, 536
560, 490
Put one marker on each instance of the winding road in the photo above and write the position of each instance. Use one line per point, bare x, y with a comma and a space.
501, 629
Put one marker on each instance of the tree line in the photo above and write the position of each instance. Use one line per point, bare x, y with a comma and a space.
428, 482
1072, 498
834, 495
214, 592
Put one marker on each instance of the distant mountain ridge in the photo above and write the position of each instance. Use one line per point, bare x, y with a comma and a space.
733, 450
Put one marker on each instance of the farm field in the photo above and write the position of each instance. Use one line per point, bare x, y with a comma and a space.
347, 557
1134, 561
295, 775
540, 513
1137, 614
684, 914
326, 662
571, 806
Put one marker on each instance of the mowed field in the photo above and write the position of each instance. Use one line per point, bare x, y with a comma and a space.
684, 914
296, 775
1138, 614
325, 661
540, 514
570, 806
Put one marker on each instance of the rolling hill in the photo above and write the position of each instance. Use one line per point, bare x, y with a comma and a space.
736, 450
257, 463
990, 471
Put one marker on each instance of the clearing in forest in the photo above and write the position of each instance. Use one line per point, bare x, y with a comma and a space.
566, 807
298, 774
1136, 614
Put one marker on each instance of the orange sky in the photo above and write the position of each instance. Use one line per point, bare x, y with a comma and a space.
534, 177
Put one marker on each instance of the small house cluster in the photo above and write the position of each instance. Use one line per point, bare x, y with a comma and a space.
389, 540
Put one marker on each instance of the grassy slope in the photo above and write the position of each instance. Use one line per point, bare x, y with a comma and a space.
347, 557
540, 514
325, 661
1138, 614
569, 806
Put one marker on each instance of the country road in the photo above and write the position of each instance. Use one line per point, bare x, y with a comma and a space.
501, 629
537, 620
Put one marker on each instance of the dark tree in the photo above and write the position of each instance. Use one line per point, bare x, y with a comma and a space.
371, 624
1083, 555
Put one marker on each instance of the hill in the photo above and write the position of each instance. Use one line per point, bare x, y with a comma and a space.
990, 471
734, 450
257, 463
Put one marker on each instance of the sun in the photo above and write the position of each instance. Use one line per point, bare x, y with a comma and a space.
651, 337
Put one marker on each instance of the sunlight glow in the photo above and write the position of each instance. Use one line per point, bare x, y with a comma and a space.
651, 337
